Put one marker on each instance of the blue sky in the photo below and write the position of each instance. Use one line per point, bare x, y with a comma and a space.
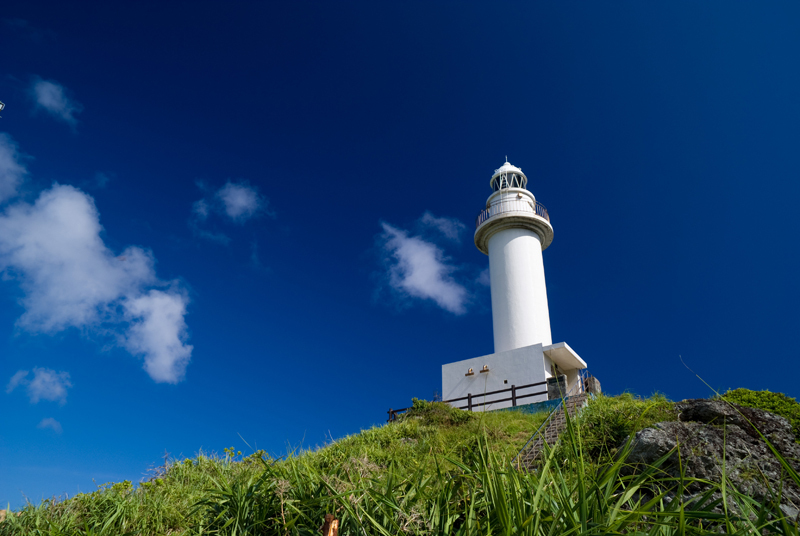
254, 224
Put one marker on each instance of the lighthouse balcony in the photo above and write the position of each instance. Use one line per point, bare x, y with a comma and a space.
521, 212
512, 205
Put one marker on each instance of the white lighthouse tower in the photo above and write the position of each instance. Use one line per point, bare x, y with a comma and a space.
513, 230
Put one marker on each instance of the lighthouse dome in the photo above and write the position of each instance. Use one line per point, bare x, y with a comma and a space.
508, 176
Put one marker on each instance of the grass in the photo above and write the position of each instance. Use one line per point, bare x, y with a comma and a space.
777, 403
435, 471
608, 421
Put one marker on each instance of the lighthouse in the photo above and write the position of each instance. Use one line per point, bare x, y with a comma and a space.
513, 229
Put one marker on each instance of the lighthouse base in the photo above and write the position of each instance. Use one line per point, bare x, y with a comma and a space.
474, 381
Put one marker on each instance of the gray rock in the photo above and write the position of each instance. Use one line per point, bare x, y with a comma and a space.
712, 435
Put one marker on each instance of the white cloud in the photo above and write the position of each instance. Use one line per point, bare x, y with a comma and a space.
70, 278
200, 212
237, 201
255, 260
158, 332
16, 380
47, 384
101, 179
484, 278
450, 228
52, 424
240, 201
12, 172
26, 30
200, 209
219, 238
52, 97
419, 269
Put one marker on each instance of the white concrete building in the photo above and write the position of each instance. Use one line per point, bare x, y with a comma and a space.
513, 231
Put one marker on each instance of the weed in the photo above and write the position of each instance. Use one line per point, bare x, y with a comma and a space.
436, 471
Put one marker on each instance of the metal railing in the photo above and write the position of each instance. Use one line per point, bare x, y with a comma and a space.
473, 403
512, 205
577, 389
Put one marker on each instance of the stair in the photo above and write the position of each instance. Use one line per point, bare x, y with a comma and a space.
550, 430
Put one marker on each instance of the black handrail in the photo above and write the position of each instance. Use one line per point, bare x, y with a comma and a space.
512, 205
578, 388
469, 398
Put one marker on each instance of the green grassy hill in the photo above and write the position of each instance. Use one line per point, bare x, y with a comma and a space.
437, 470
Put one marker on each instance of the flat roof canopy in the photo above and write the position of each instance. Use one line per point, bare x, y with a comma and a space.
564, 356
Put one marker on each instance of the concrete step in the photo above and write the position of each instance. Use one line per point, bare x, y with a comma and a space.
555, 426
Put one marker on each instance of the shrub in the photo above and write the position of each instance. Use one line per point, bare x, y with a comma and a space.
608, 421
438, 413
777, 403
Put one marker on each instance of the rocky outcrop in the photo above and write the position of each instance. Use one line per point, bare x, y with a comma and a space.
710, 433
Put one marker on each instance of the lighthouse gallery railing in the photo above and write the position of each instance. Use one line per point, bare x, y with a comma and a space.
512, 205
